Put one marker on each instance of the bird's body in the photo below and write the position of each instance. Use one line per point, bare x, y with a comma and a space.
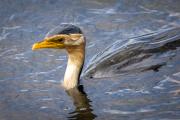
67, 37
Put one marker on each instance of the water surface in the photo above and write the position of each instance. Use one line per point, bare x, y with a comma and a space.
131, 72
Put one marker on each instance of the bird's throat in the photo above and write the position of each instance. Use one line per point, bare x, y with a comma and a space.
74, 66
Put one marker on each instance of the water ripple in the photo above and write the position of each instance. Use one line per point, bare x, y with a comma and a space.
102, 11
46, 72
128, 112
177, 74
129, 91
44, 107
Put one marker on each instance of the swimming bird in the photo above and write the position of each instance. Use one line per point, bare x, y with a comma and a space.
70, 38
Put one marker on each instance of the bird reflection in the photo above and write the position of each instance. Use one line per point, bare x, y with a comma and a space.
83, 109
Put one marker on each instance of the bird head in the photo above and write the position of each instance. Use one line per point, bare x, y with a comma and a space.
62, 37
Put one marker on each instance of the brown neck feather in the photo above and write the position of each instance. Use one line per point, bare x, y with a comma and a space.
76, 57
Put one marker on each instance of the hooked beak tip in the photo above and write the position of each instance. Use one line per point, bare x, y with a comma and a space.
34, 46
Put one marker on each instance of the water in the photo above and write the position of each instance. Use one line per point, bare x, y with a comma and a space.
131, 72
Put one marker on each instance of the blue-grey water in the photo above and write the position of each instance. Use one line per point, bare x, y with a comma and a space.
132, 66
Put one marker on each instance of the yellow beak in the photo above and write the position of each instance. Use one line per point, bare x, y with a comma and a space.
48, 43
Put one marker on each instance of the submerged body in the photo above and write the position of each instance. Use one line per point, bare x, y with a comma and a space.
70, 38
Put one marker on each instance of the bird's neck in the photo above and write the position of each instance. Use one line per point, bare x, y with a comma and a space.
74, 67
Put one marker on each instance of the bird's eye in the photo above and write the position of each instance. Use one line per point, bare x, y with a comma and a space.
61, 40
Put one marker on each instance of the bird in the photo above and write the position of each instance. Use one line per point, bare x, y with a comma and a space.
71, 38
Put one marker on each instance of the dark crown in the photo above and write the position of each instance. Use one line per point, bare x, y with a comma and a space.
64, 29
